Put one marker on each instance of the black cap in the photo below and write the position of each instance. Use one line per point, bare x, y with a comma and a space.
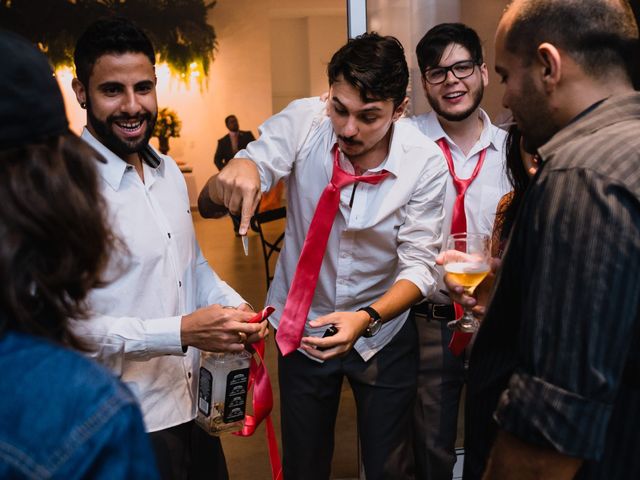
31, 105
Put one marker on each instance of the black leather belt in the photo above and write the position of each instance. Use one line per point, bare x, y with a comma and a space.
435, 311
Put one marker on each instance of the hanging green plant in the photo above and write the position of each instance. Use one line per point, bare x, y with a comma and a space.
178, 28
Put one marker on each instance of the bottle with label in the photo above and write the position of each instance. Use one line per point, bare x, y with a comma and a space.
222, 391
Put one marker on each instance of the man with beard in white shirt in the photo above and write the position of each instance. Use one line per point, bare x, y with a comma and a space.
162, 299
454, 76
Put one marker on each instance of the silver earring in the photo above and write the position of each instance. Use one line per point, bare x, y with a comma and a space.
83, 105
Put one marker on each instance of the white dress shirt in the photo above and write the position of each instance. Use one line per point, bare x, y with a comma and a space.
161, 276
484, 193
391, 232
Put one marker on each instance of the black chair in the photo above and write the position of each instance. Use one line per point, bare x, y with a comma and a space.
269, 247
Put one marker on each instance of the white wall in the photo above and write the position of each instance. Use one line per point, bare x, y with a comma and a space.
289, 60
483, 17
327, 33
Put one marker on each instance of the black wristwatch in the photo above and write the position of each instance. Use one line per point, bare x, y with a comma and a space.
375, 322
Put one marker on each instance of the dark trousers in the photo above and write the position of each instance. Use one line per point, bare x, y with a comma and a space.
186, 452
441, 376
384, 391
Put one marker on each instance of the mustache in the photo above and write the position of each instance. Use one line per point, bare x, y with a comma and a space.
349, 140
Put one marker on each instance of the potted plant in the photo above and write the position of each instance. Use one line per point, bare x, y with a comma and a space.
167, 125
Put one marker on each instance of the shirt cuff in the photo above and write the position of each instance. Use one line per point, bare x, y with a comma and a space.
416, 275
164, 335
544, 414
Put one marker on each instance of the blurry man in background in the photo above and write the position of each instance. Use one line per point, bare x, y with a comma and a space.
232, 142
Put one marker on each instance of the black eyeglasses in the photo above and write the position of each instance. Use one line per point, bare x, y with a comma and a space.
460, 70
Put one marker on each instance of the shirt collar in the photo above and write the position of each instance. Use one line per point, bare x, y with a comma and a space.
488, 137
114, 169
599, 115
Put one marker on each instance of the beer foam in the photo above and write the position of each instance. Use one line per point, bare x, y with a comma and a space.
467, 267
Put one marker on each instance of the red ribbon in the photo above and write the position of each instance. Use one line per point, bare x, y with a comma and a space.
262, 400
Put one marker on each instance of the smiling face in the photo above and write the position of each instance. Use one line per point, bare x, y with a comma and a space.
363, 129
456, 99
121, 102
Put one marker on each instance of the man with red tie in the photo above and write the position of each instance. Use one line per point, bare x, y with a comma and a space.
453, 77
365, 196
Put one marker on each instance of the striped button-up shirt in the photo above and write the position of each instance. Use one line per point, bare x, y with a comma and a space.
560, 345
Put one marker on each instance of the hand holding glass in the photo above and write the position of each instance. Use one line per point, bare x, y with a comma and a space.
467, 262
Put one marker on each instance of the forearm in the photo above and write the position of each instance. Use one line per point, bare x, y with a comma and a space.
400, 297
143, 338
207, 206
351, 326
512, 458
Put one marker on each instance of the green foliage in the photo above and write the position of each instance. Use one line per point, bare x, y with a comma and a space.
178, 28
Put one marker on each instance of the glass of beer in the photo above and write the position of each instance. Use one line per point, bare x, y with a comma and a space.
467, 261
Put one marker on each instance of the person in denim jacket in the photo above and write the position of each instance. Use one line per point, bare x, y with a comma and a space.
61, 415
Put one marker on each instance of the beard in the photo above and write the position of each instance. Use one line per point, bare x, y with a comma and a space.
109, 139
476, 97
533, 116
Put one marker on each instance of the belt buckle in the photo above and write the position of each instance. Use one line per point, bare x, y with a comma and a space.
434, 315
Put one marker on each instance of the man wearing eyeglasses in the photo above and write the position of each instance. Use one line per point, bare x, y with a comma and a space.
453, 77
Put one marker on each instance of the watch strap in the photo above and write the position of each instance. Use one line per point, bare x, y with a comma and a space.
375, 316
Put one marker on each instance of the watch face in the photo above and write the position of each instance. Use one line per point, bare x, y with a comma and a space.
375, 322
373, 328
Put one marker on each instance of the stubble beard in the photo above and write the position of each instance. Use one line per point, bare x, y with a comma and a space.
459, 116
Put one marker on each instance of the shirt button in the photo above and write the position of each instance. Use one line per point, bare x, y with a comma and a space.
179, 283
189, 374
169, 234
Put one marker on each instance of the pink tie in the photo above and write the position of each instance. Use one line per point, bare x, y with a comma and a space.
296, 309
459, 340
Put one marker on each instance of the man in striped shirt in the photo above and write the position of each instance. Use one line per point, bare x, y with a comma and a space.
557, 359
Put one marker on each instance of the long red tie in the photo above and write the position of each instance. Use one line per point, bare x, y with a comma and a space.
303, 286
459, 340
